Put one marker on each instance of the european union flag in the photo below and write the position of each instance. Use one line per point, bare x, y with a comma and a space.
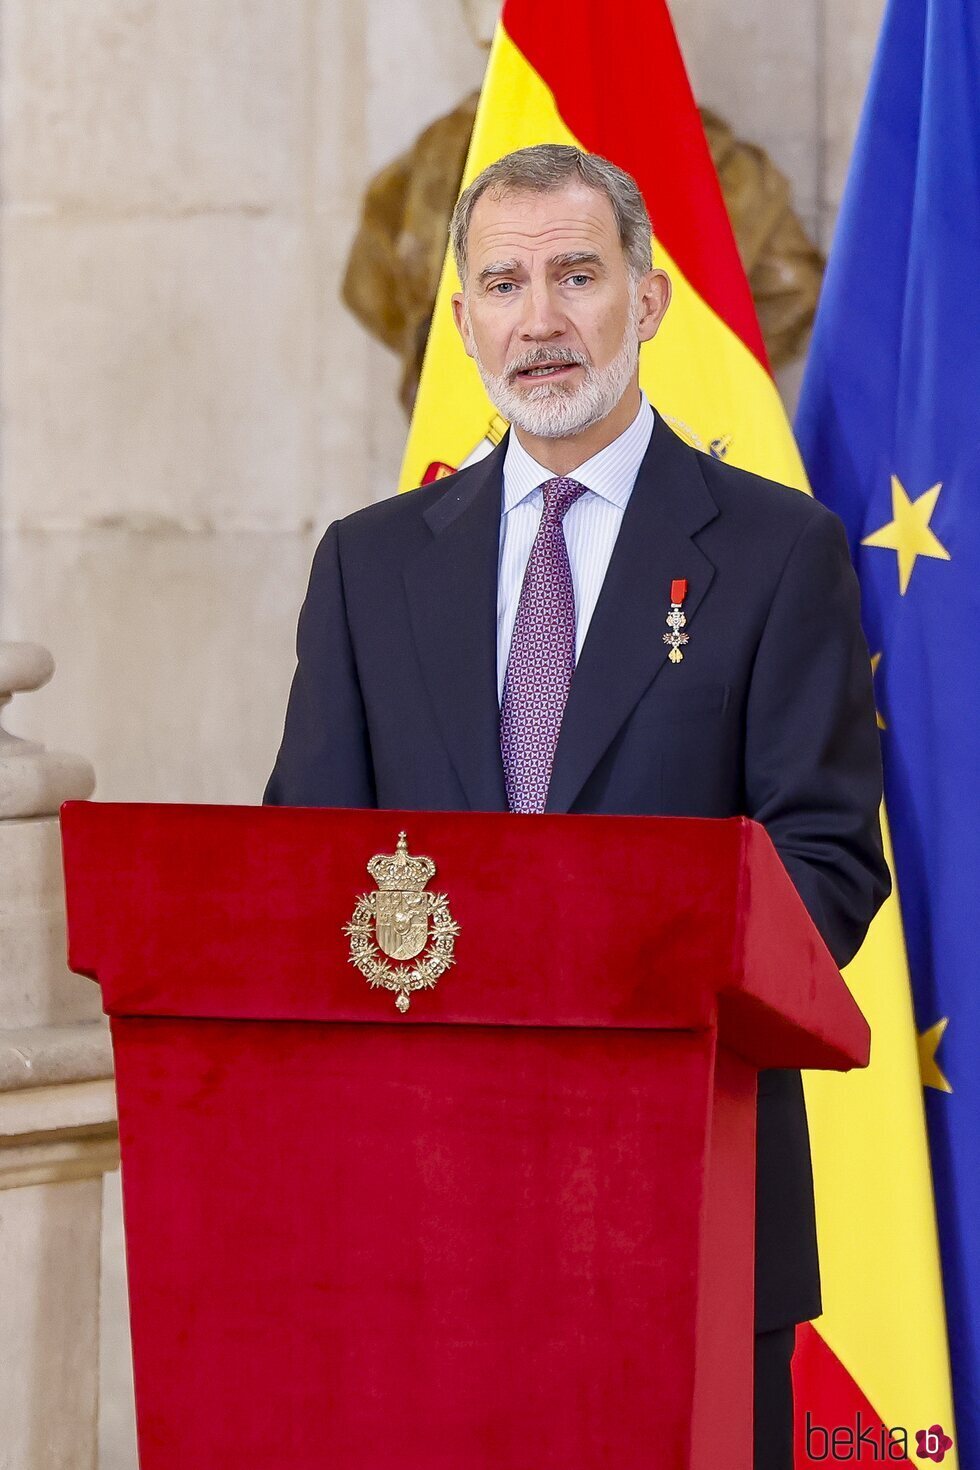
889, 427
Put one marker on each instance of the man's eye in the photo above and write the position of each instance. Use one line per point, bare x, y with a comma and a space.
502, 288
579, 279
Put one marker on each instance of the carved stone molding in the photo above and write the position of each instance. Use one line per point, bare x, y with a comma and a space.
57, 1105
44, 1056
57, 1157
34, 781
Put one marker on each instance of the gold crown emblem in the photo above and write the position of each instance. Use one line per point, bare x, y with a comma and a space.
398, 871
401, 920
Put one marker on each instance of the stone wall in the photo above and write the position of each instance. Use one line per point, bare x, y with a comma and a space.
185, 404
184, 398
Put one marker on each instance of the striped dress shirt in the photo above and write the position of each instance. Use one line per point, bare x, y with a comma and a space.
591, 525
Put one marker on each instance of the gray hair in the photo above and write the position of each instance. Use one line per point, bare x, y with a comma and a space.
548, 166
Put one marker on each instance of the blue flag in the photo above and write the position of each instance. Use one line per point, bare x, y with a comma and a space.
889, 428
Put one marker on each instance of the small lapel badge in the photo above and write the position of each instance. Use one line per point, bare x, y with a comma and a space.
402, 920
676, 620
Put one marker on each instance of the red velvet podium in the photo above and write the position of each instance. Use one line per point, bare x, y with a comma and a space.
510, 1228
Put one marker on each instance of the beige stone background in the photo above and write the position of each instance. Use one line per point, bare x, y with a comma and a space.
186, 404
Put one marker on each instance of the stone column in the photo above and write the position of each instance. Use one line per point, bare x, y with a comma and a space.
57, 1115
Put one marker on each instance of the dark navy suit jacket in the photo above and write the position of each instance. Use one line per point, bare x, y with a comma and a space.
771, 713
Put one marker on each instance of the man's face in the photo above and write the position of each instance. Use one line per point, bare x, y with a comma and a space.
549, 310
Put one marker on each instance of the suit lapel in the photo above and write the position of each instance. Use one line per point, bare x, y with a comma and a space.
624, 649
452, 599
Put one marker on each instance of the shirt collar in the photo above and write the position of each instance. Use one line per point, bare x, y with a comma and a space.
611, 473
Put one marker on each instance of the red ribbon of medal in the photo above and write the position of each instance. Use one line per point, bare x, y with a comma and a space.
676, 620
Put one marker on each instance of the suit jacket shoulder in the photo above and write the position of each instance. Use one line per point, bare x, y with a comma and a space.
432, 505
762, 507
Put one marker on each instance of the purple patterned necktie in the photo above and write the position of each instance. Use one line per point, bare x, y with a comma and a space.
542, 656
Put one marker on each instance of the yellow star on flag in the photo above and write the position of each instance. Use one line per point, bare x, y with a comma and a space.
875, 661
930, 1070
908, 531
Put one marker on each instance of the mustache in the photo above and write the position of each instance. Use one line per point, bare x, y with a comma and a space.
538, 356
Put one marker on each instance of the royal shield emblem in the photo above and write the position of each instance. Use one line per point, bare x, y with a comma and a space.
402, 921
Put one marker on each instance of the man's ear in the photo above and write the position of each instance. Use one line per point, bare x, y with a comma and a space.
653, 298
462, 326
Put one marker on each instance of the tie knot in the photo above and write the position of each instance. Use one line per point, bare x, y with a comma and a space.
559, 494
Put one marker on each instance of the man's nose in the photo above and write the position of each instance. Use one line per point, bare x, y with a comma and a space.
543, 318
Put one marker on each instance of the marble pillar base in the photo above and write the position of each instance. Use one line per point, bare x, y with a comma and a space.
58, 1134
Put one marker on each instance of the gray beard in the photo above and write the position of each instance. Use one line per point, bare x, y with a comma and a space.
556, 410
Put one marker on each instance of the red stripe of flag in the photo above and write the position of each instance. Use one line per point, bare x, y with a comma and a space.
619, 83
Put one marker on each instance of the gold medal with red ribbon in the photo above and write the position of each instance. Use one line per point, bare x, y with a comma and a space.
676, 620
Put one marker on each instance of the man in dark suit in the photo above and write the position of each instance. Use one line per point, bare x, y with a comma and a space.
495, 640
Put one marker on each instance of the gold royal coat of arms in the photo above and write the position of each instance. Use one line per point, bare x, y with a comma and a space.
402, 921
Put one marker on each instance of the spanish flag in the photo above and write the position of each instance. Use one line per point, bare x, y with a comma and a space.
609, 78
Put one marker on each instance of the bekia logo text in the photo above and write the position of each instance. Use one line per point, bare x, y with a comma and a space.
872, 1442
